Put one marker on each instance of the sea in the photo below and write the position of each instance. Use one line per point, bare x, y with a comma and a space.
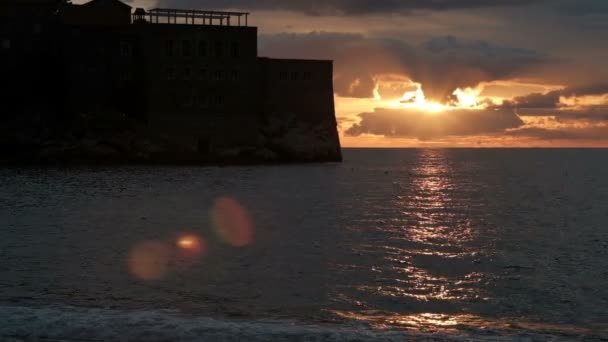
390, 245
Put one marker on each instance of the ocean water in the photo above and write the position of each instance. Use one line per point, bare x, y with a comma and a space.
456, 244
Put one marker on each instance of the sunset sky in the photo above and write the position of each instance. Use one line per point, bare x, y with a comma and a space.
448, 72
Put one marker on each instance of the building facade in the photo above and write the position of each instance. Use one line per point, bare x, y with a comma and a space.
191, 75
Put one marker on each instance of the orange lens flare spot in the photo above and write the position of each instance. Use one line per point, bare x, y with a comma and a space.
149, 260
190, 243
232, 222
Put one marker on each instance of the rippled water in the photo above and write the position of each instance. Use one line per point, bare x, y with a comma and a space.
459, 242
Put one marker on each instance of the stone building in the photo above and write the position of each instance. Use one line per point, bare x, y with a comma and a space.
191, 75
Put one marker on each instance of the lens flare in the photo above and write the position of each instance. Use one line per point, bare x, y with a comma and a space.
232, 222
149, 260
188, 251
190, 243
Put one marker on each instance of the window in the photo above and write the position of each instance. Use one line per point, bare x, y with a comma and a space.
186, 48
170, 74
202, 49
294, 76
187, 75
234, 75
203, 101
283, 76
234, 50
7, 27
306, 76
218, 49
6, 43
37, 28
217, 101
203, 145
126, 50
218, 75
169, 47
202, 74
126, 76
188, 101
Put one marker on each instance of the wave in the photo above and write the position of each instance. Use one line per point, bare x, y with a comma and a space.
61, 323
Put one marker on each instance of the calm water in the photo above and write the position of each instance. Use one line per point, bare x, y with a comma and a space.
390, 244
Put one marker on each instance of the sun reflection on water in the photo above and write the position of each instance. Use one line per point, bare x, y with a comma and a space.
420, 261
420, 322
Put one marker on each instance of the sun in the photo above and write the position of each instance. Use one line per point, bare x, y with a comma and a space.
463, 98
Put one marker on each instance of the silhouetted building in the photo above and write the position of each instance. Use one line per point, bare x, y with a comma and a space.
189, 74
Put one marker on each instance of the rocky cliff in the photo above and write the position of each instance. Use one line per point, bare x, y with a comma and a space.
112, 138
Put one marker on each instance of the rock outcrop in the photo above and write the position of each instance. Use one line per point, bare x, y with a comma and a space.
112, 138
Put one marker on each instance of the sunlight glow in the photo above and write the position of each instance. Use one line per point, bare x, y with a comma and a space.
416, 99
466, 97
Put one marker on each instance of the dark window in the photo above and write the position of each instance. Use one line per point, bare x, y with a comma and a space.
186, 48
187, 75
169, 46
126, 50
218, 49
37, 28
126, 76
188, 101
217, 101
283, 76
294, 76
306, 76
6, 43
234, 50
202, 49
7, 27
203, 101
170, 74
218, 75
204, 146
202, 74
234, 75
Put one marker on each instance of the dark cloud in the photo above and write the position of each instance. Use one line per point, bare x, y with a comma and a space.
582, 7
552, 99
412, 123
344, 7
591, 113
582, 133
441, 64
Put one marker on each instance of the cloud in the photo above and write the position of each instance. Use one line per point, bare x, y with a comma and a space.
582, 7
345, 7
412, 123
440, 64
571, 133
594, 113
552, 99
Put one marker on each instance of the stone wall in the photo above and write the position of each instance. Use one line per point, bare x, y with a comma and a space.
298, 108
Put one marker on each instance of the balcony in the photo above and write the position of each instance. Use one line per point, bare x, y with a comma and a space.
191, 17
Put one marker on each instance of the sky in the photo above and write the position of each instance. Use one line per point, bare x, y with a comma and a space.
448, 73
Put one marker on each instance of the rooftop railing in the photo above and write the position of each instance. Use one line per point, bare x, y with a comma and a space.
192, 17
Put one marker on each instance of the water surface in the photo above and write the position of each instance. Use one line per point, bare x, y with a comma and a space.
456, 242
